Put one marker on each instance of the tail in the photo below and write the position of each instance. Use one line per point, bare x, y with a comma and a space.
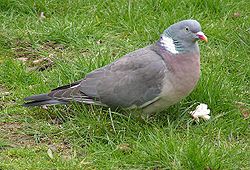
41, 99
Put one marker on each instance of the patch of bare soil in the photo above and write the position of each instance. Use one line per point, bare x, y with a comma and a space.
39, 57
244, 109
9, 131
14, 133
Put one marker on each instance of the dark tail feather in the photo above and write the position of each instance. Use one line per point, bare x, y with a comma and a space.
38, 97
41, 99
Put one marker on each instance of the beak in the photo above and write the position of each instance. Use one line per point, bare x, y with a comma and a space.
202, 36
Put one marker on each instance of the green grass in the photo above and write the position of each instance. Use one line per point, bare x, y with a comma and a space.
80, 36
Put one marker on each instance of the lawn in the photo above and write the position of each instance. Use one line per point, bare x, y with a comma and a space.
45, 44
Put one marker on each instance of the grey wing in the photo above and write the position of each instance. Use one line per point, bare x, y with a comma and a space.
133, 80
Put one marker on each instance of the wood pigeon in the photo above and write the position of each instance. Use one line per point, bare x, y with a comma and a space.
151, 78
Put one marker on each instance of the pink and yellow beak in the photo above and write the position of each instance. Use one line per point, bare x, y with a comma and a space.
202, 36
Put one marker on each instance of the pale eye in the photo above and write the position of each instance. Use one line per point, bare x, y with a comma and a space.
187, 29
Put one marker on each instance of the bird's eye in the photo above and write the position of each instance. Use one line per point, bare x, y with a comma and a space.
187, 29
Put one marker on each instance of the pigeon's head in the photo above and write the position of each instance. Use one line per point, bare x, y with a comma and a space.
183, 34
186, 30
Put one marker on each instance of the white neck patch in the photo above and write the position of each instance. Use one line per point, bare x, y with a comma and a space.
168, 44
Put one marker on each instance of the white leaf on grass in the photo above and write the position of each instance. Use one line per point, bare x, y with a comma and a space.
42, 16
23, 59
49, 152
201, 111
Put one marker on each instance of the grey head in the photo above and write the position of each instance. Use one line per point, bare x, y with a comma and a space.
182, 36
